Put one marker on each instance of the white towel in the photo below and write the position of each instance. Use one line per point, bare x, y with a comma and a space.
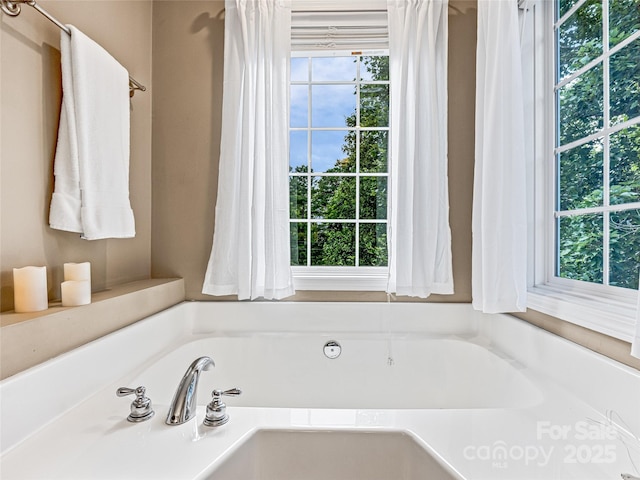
91, 194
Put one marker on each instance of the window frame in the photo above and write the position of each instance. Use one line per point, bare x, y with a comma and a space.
602, 308
340, 278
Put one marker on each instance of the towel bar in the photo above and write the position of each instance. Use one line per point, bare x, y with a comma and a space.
13, 7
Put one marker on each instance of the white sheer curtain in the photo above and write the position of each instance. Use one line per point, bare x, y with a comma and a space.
499, 264
635, 346
250, 255
419, 235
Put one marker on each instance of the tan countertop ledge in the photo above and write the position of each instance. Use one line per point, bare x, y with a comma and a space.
27, 339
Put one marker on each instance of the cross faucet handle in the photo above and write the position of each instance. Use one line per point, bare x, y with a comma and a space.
141, 408
216, 410
232, 392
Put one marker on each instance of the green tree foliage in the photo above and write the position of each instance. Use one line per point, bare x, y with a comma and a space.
581, 169
298, 210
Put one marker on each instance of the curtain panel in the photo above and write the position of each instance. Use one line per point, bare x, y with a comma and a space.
250, 255
499, 225
419, 236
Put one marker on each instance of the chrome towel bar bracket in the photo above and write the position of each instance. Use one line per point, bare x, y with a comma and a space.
13, 8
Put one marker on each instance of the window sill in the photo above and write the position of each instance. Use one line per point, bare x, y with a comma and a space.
372, 279
612, 314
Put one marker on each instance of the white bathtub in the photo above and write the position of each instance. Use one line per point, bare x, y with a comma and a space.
487, 396
373, 371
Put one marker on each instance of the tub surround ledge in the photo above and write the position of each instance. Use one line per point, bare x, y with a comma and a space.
28, 339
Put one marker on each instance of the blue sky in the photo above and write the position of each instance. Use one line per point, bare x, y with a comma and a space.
331, 104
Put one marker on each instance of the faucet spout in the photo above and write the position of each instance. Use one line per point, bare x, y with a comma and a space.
183, 406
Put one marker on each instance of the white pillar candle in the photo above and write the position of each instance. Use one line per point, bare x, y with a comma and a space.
75, 292
77, 271
30, 289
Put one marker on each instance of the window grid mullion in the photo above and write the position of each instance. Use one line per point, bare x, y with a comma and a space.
340, 174
569, 13
606, 147
338, 129
357, 133
607, 130
309, 177
600, 58
586, 211
340, 82
336, 220
570, 78
555, 258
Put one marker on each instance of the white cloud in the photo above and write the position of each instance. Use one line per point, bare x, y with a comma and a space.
331, 104
336, 69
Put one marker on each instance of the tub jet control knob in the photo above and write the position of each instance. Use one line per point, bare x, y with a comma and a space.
141, 409
332, 349
216, 410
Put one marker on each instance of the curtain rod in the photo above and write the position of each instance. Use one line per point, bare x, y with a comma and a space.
12, 8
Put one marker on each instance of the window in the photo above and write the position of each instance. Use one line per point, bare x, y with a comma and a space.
586, 253
598, 141
339, 131
338, 160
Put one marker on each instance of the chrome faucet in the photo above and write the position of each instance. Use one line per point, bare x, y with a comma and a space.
183, 406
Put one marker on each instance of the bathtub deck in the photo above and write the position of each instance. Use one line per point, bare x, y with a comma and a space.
87, 436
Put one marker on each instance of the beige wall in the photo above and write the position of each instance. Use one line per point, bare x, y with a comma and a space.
187, 104
187, 71
30, 94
